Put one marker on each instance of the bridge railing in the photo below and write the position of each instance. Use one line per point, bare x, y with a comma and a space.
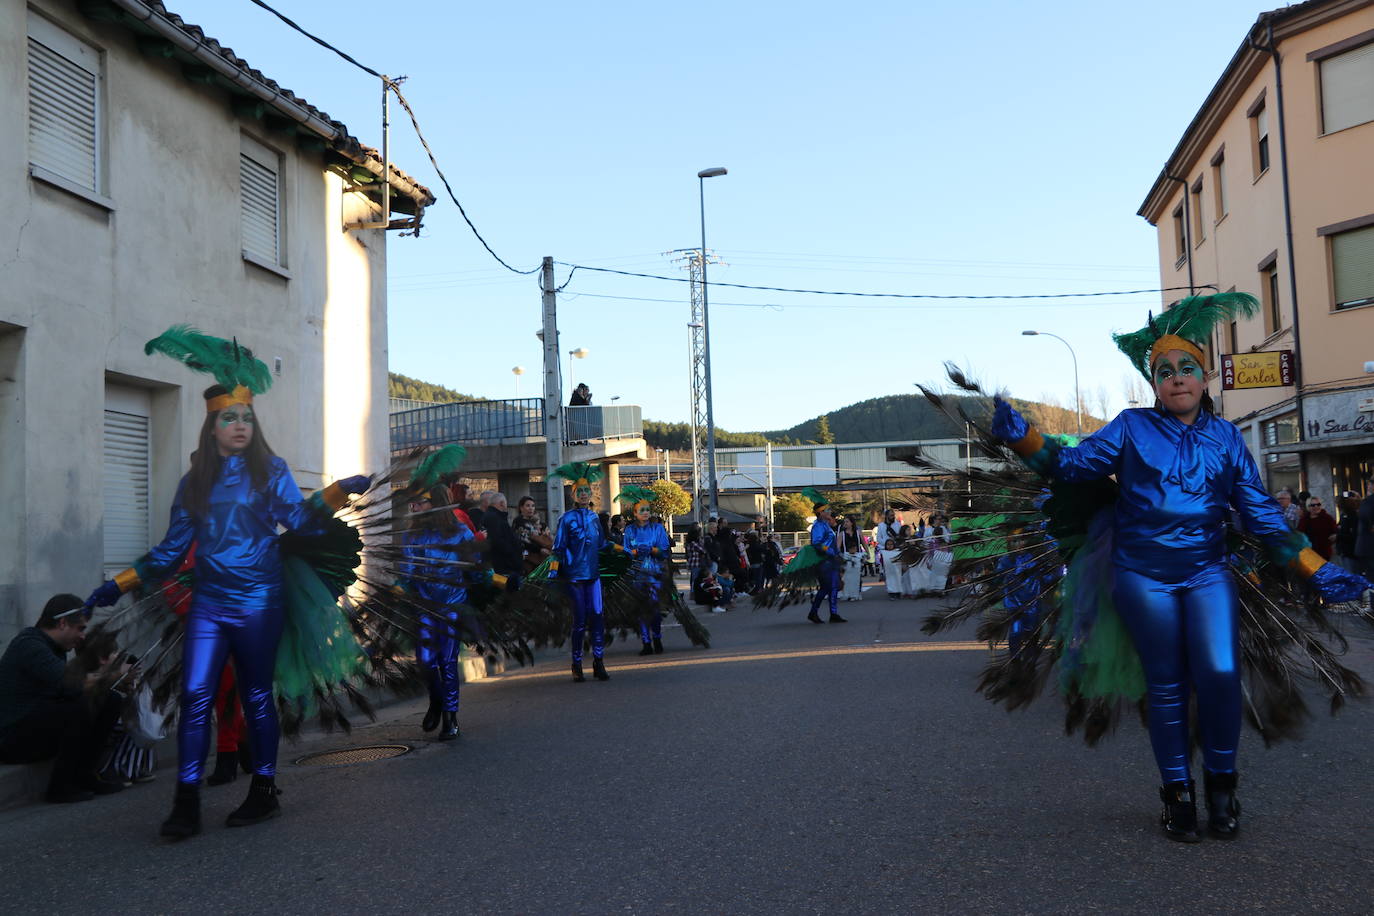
508, 422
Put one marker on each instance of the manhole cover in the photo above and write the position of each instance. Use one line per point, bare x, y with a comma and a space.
348, 756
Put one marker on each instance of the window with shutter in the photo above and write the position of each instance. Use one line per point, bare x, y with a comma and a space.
1347, 82
260, 202
127, 476
64, 104
1352, 267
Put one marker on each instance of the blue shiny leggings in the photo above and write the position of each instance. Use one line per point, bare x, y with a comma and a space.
586, 601
651, 625
1187, 636
437, 652
250, 638
828, 582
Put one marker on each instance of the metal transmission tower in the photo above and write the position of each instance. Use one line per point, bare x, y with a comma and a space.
691, 259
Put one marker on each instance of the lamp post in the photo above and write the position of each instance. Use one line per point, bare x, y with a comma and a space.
517, 371
1077, 398
580, 353
706, 340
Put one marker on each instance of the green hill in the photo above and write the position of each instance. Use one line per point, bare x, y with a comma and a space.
403, 386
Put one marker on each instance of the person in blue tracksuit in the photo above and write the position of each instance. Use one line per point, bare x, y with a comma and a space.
576, 561
647, 542
432, 549
828, 572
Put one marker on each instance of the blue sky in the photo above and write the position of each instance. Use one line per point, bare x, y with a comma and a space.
995, 148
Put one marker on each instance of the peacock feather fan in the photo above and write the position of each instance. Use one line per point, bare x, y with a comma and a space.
231, 364
1193, 319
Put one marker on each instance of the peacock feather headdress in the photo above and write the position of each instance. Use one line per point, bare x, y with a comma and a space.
233, 367
435, 466
579, 473
634, 495
817, 499
1186, 326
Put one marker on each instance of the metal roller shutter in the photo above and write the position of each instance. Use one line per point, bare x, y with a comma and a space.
64, 93
127, 484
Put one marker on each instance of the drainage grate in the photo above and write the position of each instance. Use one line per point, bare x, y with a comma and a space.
348, 756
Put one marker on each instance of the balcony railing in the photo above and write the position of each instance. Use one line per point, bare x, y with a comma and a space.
508, 422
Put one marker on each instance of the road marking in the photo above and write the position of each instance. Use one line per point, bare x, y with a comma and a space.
885, 649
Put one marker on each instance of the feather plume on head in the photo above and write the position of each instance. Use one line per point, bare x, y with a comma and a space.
579, 473
434, 467
1187, 326
817, 499
634, 495
233, 366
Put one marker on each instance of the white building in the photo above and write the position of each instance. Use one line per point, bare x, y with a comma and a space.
150, 177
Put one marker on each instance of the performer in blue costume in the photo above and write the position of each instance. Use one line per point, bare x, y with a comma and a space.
430, 572
230, 504
576, 561
1180, 468
828, 570
647, 541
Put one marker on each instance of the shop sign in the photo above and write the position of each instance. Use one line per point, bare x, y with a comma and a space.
1265, 369
1338, 415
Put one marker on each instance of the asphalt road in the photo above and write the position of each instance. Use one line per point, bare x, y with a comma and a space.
791, 768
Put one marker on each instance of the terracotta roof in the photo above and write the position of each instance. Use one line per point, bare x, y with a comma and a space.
335, 133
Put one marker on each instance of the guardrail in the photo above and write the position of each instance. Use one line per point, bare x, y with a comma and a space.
508, 422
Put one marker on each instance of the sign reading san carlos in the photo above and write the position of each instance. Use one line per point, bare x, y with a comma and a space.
1265, 369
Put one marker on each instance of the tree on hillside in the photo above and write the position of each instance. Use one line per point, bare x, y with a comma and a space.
823, 434
670, 499
790, 512
403, 386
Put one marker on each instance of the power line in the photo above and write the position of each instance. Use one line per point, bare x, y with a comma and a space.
317, 40
778, 306
833, 292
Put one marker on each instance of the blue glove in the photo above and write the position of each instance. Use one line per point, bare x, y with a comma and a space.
1335, 584
1007, 424
359, 483
106, 595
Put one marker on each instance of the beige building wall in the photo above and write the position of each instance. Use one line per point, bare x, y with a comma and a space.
1331, 180
87, 283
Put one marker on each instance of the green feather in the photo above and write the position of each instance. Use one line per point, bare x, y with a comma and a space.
814, 496
633, 494
230, 364
1193, 319
437, 465
577, 470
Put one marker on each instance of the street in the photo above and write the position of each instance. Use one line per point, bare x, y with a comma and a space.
791, 768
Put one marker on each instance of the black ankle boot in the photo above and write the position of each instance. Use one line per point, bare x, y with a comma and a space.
226, 768
1179, 819
431, 720
185, 818
658, 645
260, 805
1223, 810
599, 670
577, 672
647, 650
450, 729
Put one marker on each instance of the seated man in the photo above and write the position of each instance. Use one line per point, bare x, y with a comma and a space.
44, 714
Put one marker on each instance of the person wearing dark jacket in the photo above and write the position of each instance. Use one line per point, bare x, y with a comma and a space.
505, 551
43, 714
1348, 529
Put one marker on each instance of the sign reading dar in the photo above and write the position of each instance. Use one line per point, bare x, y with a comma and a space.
1265, 369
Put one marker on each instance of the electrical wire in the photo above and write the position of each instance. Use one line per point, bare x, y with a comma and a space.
317, 40
779, 307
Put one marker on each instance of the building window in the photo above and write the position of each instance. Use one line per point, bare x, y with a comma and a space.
1199, 225
1219, 183
1180, 235
797, 458
1352, 267
64, 105
1259, 131
1269, 294
127, 475
260, 202
1347, 82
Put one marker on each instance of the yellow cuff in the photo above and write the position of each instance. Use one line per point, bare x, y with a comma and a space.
1307, 562
1028, 444
553, 564
334, 497
498, 580
127, 580
619, 547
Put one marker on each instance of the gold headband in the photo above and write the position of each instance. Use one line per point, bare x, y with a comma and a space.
240, 395
582, 482
1174, 342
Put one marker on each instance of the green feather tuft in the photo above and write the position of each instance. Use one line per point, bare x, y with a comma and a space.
815, 497
436, 466
230, 364
633, 494
577, 470
1193, 319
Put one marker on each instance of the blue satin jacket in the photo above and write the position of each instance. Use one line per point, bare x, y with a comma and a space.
1177, 482
437, 582
642, 539
238, 562
577, 543
823, 539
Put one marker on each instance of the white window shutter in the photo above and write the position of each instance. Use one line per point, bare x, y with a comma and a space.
64, 104
1348, 89
260, 199
127, 485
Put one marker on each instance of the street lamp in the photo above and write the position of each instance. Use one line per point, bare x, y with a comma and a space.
706, 341
580, 353
1077, 399
517, 371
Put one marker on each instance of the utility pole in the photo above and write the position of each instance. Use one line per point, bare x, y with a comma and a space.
768, 480
692, 259
668, 475
553, 398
